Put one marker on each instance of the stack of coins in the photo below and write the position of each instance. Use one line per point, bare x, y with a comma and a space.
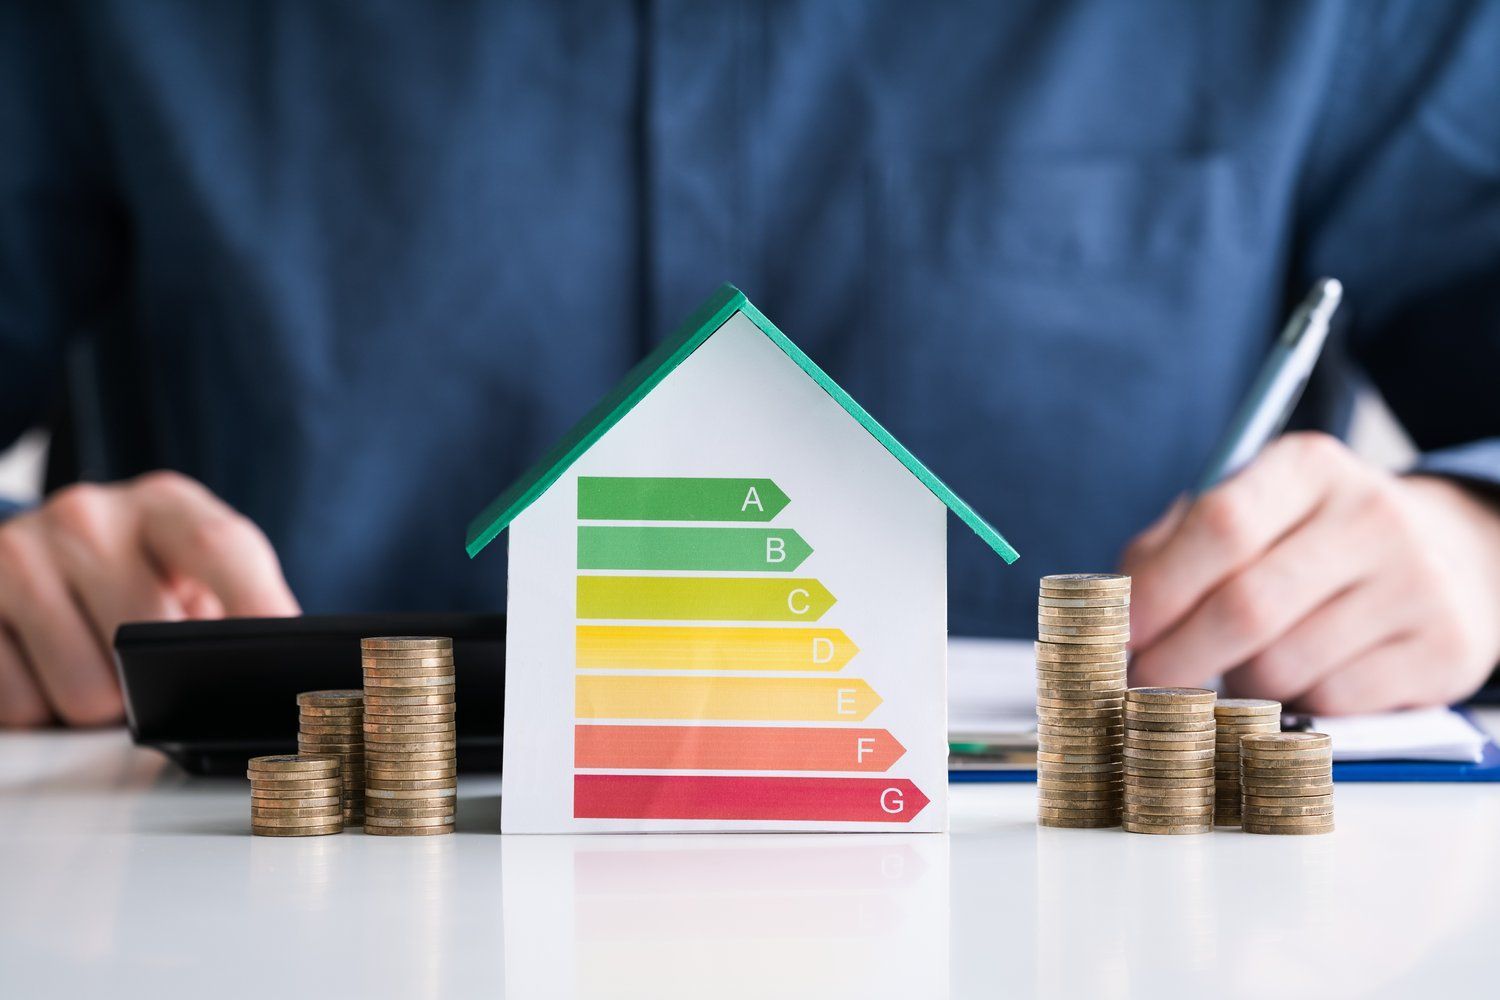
1083, 626
330, 723
411, 760
1169, 760
1237, 717
1288, 783
295, 796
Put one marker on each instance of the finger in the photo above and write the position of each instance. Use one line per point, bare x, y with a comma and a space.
1387, 677
92, 539
56, 641
1252, 609
189, 531
21, 701
1155, 534
1230, 526
1364, 617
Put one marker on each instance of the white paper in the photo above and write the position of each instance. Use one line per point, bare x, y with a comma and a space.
1419, 734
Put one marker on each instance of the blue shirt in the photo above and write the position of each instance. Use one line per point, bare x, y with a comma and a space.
355, 265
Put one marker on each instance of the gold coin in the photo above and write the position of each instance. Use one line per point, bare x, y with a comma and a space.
409, 793
1247, 706
415, 726
447, 781
1072, 823
305, 831
293, 800
396, 831
1092, 767
423, 661
330, 699
1080, 671
313, 729
1180, 782
1170, 696
1068, 654
1083, 615
1255, 770
1174, 829
425, 760
1287, 742
1119, 602
1250, 827
1196, 737
1080, 728
402, 687
1299, 759
1078, 758
419, 772
1168, 794
1253, 800
406, 642
1112, 713
310, 714
288, 764
1090, 582
1052, 785
413, 712
1318, 810
1159, 812
1154, 753
377, 703
320, 782
1065, 812
323, 813
1179, 724
332, 815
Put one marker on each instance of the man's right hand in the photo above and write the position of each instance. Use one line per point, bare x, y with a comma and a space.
157, 548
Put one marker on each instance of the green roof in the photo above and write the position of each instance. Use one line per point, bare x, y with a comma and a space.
658, 365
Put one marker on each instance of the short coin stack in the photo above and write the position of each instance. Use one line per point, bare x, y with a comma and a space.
1237, 717
295, 796
1083, 626
1169, 760
411, 760
331, 724
1288, 783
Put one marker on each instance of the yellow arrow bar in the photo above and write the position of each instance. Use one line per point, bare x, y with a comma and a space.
669, 647
776, 699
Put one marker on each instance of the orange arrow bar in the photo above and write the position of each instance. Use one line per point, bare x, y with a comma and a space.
735, 748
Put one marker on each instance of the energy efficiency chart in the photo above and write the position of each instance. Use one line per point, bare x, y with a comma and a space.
731, 672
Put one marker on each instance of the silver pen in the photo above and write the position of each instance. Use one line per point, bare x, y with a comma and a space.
1275, 392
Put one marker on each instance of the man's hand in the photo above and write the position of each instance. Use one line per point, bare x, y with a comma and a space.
161, 547
1316, 579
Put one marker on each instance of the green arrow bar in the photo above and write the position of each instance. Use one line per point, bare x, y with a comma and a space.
687, 598
764, 549
630, 498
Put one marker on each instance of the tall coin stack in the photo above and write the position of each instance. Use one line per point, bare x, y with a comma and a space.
411, 759
1237, 717
1083, 626
1288, 783
1169, 760
330, 724
295, 796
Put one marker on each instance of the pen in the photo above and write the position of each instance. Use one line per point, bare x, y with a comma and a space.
1274, 394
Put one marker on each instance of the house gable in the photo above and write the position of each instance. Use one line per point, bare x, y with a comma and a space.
640, 381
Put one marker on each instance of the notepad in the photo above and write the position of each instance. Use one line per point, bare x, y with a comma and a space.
1419, 734
992, 698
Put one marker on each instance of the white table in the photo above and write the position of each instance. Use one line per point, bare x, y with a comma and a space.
121, 876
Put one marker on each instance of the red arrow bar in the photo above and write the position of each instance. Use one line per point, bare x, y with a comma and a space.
735, 748
832, 800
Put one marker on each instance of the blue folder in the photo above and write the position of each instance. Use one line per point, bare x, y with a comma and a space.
1486, 769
